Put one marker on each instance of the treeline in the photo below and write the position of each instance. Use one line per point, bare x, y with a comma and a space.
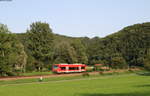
128, 47
39, 48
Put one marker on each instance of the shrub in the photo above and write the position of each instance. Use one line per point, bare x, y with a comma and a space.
147, 63
118, 62
89, 68
11, 74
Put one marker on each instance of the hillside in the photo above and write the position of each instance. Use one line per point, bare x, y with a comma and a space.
39, 48
128, 46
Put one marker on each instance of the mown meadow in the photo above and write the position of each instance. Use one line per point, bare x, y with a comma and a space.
110, 85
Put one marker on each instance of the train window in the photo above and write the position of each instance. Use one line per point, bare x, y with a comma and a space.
55, 66
73, 68
82, 67
63, 68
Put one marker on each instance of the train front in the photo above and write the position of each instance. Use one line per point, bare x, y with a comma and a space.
55, 68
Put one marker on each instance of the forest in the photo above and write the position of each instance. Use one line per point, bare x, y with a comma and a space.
39, 48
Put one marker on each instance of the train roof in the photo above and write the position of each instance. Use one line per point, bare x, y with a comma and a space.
69, 64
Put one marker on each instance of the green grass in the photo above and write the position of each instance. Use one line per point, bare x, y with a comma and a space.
36, 73
109, 85
35, 80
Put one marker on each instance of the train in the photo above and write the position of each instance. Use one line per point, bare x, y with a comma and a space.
68, 68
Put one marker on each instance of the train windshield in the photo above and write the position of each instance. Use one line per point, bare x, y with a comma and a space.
55, 66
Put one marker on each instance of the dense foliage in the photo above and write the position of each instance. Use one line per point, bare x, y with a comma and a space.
12, 54
130, 44
39, 48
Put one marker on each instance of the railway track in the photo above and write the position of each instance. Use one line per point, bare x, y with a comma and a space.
44, 76
53, 75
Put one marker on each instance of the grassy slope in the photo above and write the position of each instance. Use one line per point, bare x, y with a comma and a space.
117, 85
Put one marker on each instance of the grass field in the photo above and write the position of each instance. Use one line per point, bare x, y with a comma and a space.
113, 85
36, 73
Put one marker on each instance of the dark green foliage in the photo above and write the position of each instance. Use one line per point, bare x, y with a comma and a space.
147, 60
129, 44
118, 62
12, 54
69, 50
39, 48
64, 53
80, 51
39, 44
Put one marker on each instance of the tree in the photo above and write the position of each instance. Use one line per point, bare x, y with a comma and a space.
118, 62
64, 53
131, 43
40, 43
80, 51
18, 57
126, 47
147, 60
12, 54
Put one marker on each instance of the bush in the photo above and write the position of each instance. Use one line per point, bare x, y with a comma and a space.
11, 74
147, 63
118, 62
89, 68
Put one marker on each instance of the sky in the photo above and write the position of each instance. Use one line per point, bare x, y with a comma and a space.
76, 18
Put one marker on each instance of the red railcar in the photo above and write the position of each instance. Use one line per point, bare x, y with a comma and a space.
68, 68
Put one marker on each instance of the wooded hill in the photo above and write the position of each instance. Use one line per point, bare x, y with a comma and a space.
39, 48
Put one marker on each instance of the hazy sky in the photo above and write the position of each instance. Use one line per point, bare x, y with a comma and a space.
75, 17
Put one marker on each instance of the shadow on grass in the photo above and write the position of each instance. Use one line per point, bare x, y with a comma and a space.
143, 73
146, 85
118, 94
